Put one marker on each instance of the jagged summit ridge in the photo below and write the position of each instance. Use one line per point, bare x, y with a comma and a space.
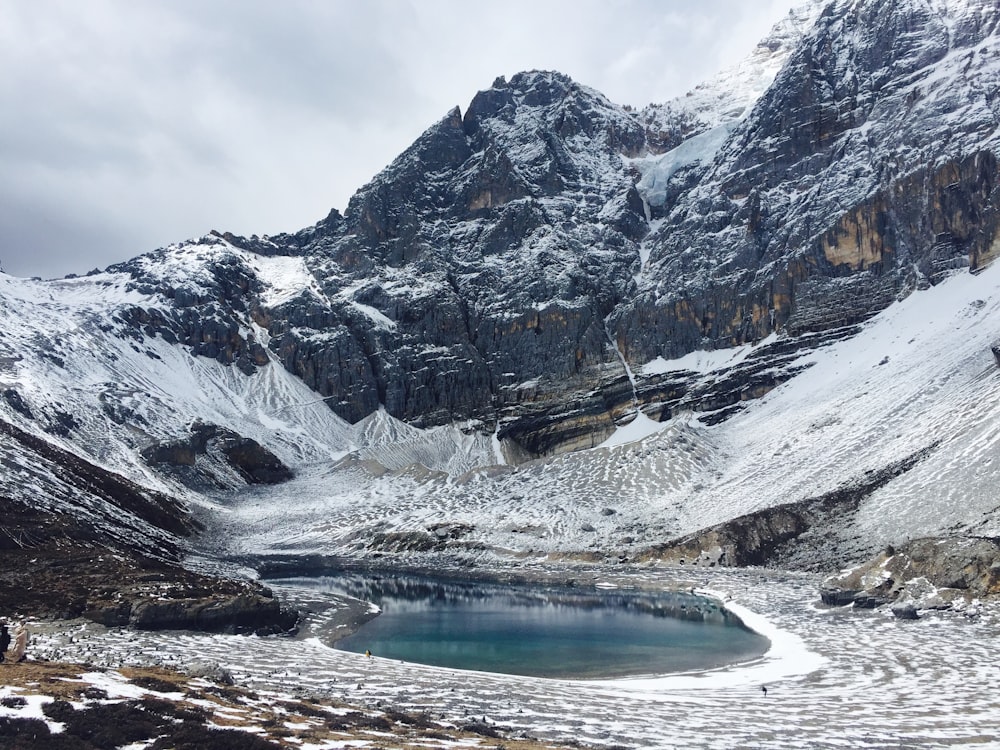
545, 101
537, 136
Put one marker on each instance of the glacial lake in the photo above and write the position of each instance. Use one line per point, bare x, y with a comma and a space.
558, 632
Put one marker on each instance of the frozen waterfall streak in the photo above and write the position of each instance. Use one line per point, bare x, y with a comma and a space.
628, 370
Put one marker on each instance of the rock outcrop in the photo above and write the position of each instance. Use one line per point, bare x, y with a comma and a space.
930, 573
209, 450
112, 505
54, 565
209, 605
772, 536
103, 547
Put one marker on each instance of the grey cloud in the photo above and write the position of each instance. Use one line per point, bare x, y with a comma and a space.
125, 125
50, 239
327, 57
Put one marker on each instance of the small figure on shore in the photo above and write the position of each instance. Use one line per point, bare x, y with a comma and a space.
368, 653
4, 641
20, 643
763, 689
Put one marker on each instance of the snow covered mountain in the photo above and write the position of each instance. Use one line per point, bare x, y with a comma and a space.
554, 325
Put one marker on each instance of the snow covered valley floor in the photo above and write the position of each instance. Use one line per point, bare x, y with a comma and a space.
834, 677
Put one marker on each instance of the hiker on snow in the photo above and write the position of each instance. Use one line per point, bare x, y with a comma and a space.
20, 643
4, 641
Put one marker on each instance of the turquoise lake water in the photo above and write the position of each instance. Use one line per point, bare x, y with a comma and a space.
543, 632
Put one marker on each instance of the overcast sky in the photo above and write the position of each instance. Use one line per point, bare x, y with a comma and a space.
126, 125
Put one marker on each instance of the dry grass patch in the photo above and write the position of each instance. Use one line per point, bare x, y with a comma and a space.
210, 715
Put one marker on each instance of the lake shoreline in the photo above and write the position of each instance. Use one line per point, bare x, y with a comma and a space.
543, 629
930, 675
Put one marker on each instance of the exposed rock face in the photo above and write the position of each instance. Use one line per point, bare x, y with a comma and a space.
57, 565
835, 195
931, 573
493, 269
217, 447
209, 311
476, 271
12, 397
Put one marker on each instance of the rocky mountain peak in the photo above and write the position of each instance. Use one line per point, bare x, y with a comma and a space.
547, 102
535, 89
539, 135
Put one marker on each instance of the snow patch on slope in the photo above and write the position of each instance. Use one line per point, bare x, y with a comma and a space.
285, 278
729, 96
639, 428
704, 361
656, 171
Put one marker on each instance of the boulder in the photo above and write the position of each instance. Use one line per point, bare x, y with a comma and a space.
905, 611
211, 671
